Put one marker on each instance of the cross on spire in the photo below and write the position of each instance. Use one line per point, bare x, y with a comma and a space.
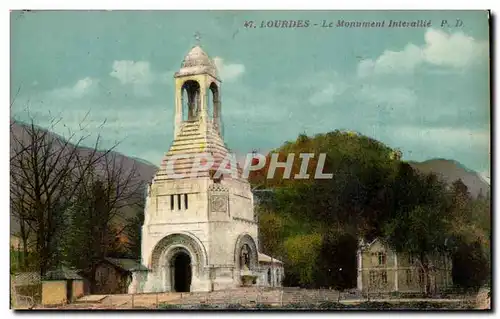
197, 37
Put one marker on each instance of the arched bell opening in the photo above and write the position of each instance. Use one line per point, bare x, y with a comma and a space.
191, 100
214, 112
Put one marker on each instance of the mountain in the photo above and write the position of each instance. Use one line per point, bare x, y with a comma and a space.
450, 171
144, 170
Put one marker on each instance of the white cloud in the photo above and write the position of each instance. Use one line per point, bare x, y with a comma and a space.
228, 71
124, 125
138, 74
392, 61
132, 72
319, 88
80, 89
326, 94
398, 96
456, 50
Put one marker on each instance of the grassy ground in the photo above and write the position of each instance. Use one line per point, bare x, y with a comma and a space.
419, 305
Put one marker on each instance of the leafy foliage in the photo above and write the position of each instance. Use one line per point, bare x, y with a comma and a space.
301, 249
312, 223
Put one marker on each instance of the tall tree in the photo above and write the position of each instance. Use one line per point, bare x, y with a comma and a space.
336, 262
46, 170
20, 211
134, 231
471, 234
100, 227
420, 225
302, 251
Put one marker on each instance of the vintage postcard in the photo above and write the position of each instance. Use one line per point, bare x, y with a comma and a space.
242, 160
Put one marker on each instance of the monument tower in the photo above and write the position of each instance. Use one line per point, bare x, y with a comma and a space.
199, 231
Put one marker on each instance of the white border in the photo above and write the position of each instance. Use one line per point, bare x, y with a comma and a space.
199, 5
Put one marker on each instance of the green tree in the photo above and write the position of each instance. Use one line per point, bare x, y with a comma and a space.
271, 232
98, 227
420, 223
471, 233
336, 261
302, 251
133, 232
358, 199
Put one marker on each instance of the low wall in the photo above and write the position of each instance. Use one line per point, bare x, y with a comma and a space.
54, 293
251, 295
78, 289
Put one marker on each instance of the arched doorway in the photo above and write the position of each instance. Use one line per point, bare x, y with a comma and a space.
163, 261
181, 272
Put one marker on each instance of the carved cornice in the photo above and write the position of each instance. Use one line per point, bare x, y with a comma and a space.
245, 220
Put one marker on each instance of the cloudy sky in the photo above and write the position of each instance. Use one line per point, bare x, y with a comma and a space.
423, 90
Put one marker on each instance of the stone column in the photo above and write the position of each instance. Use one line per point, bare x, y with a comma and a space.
132, 288
164, 279
178, 109
152, 281
203, 111
360, 270
200, 281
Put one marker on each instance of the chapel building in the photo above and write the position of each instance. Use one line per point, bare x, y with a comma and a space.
200, 231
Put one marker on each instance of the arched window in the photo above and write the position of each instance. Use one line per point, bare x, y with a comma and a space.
210, 102
191, 100
214, 104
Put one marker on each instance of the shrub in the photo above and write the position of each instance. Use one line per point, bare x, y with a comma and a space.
298, 305
235, 306
375, 305
167, 306
204, 306
331, 305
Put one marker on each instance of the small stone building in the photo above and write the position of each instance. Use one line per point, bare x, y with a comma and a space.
61, 286
271, 271
114, 275
382, 270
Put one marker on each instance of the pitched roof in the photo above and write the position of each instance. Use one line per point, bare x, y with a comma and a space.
267, 259
26, 279
126, 264
62, 273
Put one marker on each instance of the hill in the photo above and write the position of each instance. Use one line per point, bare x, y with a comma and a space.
144, 170
451, 170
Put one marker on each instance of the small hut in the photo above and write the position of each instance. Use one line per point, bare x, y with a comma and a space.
116, 276
61, 286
